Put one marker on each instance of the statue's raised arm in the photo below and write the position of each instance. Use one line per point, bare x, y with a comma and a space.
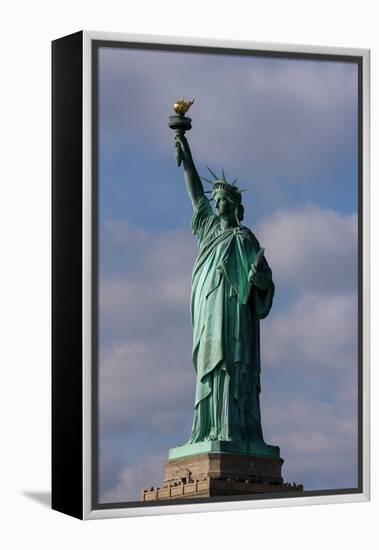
180, 124
191, 177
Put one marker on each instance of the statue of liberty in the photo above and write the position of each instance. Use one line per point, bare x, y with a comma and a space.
232, 290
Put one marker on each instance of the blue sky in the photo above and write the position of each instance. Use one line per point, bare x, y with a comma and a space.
287, 130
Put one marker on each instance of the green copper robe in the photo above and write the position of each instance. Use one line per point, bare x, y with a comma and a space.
226, 353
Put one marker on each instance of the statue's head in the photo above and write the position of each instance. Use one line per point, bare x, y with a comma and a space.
227, 197
228, 202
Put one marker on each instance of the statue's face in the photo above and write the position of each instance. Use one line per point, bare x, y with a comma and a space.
224, 205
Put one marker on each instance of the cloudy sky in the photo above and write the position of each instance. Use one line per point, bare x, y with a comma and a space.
287, 130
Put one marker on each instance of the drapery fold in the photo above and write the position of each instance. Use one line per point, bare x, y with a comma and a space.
226, 341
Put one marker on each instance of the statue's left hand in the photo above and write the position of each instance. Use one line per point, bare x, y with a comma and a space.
258, 279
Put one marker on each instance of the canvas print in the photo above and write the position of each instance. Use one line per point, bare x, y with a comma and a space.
228, 198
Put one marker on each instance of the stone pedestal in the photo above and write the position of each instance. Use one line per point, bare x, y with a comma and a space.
220, 474
259, 448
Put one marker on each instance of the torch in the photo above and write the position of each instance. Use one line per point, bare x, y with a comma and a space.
180, 123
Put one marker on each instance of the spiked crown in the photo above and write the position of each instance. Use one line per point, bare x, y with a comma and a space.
221, 183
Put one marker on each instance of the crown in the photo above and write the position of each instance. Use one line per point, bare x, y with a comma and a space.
221, 183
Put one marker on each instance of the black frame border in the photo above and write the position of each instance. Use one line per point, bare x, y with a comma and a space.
67, 257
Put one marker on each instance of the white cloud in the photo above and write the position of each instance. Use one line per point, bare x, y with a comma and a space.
147, 384
150, 292
133, 479
110, 465
311, 249
316, 331
285, 114
318, 440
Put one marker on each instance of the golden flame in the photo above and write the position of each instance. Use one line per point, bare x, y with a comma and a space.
181, 106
